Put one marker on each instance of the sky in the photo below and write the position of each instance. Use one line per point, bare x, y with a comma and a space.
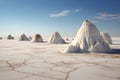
64, 16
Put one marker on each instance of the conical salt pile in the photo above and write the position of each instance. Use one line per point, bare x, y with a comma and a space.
56, 38
106, 37
23, 37
10, 37
0, 38
88, 39
30, 38
37, 38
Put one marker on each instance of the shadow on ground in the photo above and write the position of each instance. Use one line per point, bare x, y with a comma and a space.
115, 51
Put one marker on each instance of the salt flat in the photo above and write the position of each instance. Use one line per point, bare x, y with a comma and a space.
24, 60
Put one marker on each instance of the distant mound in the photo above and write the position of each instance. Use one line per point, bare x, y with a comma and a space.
56, 38
37, 38
23, 37
30, 38
10, 37
88, 40
0, 38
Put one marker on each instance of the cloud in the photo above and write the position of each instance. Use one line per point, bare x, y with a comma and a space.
108, 16
62, 13
77, 10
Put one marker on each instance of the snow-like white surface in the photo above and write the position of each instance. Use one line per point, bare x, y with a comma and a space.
88, 39
23, 60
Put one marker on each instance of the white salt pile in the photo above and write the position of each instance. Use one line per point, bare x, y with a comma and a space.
30, 38
88, 40
56, 38
23, 37
106, 37
0, 38
10, 37
37, 38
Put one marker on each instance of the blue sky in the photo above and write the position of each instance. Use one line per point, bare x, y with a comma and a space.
64, 16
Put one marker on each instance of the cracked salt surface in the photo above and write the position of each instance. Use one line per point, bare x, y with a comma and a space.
43, 61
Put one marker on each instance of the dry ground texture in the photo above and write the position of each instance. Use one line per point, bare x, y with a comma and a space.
24, 60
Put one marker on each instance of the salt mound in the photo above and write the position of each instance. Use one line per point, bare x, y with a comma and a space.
37, 38
106, 37
1, 38
10, 37
88, 39
30, 38
23, 37
56, 38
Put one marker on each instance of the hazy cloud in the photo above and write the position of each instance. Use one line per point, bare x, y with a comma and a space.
62, 13
77, 10
108, 16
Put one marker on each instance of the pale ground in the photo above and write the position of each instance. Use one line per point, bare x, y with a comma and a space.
23, 60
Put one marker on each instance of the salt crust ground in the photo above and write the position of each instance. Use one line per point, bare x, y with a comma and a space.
23, 60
